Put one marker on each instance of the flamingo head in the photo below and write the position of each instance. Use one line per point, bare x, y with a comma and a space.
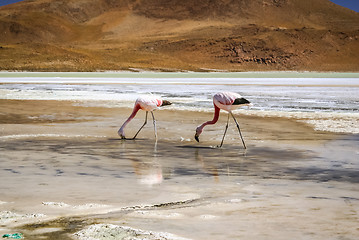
198, 132
121, 133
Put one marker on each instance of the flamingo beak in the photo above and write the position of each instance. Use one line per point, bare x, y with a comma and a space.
196, 137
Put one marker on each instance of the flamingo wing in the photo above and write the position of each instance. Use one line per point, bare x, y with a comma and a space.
149, 103
226, 100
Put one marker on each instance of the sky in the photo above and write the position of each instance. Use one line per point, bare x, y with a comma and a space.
352, 4
5, 2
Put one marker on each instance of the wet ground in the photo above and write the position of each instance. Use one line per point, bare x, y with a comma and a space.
58, 177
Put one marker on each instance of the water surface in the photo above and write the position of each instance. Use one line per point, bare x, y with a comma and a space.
327, 101
63, 164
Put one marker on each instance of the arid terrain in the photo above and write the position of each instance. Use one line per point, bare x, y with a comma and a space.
176, 35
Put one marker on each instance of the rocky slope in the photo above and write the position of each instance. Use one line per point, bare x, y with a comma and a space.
171, 35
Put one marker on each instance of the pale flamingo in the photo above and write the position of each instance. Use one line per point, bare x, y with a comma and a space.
227, 101
148, 104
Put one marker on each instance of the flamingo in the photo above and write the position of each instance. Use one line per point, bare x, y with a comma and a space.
227, 101
148, 104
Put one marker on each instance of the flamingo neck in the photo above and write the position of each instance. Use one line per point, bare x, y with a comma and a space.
133, 114
214, 120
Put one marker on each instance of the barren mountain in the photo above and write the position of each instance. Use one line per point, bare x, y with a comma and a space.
171, 35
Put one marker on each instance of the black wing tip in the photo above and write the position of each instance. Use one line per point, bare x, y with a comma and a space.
165, 103
240, 101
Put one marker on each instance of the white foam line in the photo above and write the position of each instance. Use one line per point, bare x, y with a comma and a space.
320, 121
199, 81
76, 207
8, 217
17, 136
107, 231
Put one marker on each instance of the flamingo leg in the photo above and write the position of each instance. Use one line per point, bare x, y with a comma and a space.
154, 125
239, 130
225, 131
141, 126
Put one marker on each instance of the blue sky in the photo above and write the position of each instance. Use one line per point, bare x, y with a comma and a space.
5, 2
352, 4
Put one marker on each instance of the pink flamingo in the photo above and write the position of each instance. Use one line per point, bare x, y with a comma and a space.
148, 104
227, 101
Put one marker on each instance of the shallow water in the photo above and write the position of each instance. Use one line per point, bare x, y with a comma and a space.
327, 101
63, 167
198, 192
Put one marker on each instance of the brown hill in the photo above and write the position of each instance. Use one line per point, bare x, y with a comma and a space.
235, 35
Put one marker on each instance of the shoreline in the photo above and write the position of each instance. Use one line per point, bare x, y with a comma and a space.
344, 123
42, 114
160, 74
